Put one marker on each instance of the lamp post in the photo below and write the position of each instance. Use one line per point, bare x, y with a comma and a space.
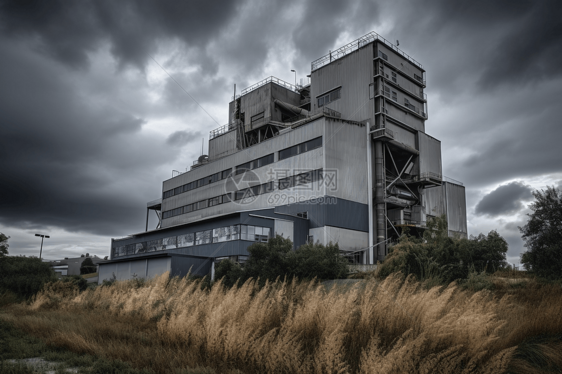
294, 71
42, 237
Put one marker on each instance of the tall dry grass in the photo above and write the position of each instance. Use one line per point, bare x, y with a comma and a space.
393, 326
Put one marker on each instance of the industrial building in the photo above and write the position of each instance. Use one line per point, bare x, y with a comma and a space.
344, 158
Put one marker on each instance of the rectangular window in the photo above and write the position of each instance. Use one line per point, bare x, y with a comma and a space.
285, 183
235, 232
383, 55
215, 201
186, 240
226, 173
154, 245
130, 249
168, 194
178, 190
268, 187
251, 233
418, 78
167, 214
329, 97
140, 248
265, 160
394, 96
242, 168
202, 204
300, 148
243, 232
169, 243
122, 250
256, 118
188, 208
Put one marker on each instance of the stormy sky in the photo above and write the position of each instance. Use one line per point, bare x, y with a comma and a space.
91, 123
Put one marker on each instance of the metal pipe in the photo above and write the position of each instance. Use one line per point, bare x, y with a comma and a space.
291, 107
370, 193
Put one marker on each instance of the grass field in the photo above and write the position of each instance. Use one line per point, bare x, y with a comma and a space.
390, 326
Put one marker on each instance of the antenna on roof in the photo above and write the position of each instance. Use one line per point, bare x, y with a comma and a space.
202, 142
397, 43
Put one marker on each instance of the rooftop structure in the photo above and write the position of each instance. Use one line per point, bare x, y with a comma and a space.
343, 159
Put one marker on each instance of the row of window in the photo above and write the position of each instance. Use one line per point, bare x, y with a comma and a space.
197, 206
329, 97
254, 164
271, 186
198, 183
300, 148
218, 235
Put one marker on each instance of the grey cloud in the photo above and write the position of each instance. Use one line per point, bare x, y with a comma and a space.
182, 138
506, 199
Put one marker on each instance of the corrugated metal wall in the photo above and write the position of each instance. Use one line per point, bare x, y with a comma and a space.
400, 62
346, 154
429, 160
402, 135
456, 207
353, 73
434, 201
223, 145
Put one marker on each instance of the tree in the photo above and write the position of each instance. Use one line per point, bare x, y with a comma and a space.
87, 266
3, 245
543, 234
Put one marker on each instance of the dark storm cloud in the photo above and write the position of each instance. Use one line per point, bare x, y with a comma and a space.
492, 43
69, 31
506, 199
65, 162
323, 21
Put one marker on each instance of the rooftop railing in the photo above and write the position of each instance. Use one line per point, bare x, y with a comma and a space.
267, 80
355, 45
221, 130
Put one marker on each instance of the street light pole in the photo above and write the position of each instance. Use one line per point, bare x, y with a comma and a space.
294, 71
42, 237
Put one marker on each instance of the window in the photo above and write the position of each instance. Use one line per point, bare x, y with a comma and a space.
140, 248
394, 77
215, 201
285, 183
329, 97
256, 118
169, 243
418, 78
300, 148
394, 96
254, 164
303, 215
122, 250
186, 240
168, 194
130, 249
154, 245
383, 55
226, 173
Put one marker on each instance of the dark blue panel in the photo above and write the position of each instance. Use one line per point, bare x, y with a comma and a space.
182, 265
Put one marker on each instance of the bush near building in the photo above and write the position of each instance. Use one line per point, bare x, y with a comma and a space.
438, 256
276, 259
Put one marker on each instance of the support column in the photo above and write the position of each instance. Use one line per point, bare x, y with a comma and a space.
379, 199
369, 256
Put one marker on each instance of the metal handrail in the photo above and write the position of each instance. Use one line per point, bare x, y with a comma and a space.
355, 45
221, 130
428, 175
265, 81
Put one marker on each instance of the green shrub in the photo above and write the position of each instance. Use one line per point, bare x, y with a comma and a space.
439, 257
24, 276
277, 259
